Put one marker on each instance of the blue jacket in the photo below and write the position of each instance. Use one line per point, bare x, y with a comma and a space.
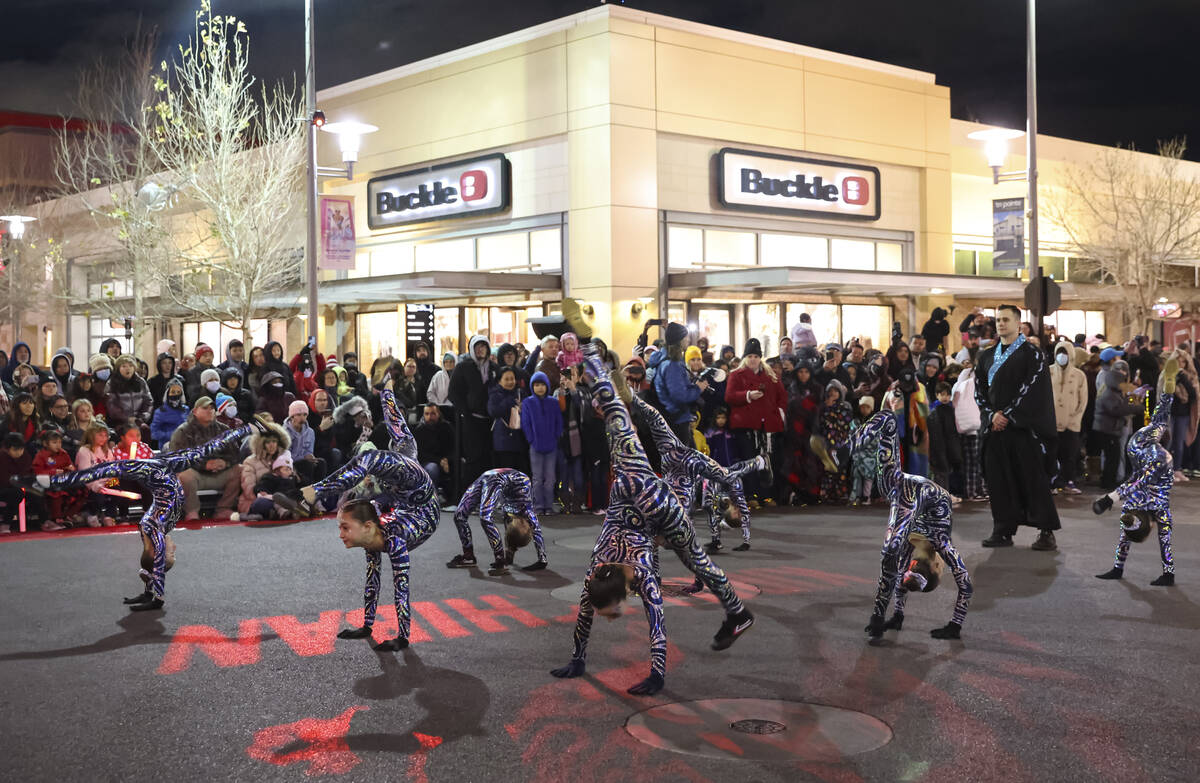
541, 419
675, 389
166, 420
500, 402
720, 446
303, 442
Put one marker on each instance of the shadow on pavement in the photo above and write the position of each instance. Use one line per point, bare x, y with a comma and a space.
1168, 607
1014, 572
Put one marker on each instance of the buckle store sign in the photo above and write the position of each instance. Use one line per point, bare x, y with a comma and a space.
761, 182
467, 188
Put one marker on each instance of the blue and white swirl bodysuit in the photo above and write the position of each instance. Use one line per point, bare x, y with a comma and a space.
497, 492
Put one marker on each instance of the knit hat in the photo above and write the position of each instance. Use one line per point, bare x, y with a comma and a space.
100, 361
124, 359
165, 346
285, 458
867, 400
331, 361
224, 401
676, 333
753, 347
449, 355
209, 375
692, 352
203, 402
201, 348
297, 406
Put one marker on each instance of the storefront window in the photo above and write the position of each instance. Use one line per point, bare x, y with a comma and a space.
794, 250
531, 339
685, 247
378, 334
445, 331
763, 323
394, 259
868, 322
713, 324
889, 257
503, 325
503, 251
964, 262
545, 248
853, 254
729, 248
217, 335
826, 322
478, 322
100, 329
1069, 323
449, 255
987, 270
1054, 266
677, 312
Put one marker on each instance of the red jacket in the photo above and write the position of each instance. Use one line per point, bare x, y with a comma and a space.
306, 386
765, 413
48, 464
141, 452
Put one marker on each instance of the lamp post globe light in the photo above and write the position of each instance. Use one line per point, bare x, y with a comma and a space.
16, 224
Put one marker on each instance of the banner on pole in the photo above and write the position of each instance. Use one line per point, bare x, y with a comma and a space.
338, 246
1008, 233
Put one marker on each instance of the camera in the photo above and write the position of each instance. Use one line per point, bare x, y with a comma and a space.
830, 355
908, 380
712, 375
897, 332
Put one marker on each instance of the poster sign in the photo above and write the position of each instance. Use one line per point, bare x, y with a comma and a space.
785, 185
418, 327
337, 247
1008, 233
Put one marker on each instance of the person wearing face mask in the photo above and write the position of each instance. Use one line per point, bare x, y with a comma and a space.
165, 366
168, 416
210, 384
227, 411
307, 367
1070, 400
356, 380
273, 397
102, 367
233, 384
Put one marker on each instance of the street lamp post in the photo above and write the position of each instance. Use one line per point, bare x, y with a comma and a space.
16, 231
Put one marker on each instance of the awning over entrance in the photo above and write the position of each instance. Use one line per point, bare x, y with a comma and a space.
780, 283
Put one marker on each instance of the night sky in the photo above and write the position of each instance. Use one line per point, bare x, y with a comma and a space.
1109, 72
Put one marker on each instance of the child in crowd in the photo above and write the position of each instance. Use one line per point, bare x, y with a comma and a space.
865, 461
227, 411
542, 423
15, 460
62, 507
130, 445
281, 480
570, 447
833, 423
699, 442
304, 440
101, 507
22, 418
569, 353
720, 439
170, 415
945, 450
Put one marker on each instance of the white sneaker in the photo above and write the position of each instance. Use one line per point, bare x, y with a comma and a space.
5, 530
50, 526
93, 520
1180, 477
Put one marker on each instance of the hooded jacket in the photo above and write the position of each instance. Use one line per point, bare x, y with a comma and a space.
258, 464
229, 362
501, 401
1111, 404
426, 369
468, 383
306, 385
271, 400
505, 350
345, 432
673, 386
568, 358
167, 419
7, 373
127, 398
64, 381
158, 382
1070, 390
245, 399
541, 418
278, 365
936, 330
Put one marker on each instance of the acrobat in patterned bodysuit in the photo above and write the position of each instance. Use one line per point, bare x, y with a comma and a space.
158, 475
1146, 495
643, 504
494, 494
684, 468
921, 507
402, 440
408, 514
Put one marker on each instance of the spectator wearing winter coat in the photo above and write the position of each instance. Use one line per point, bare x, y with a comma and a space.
304, 444
677, 393
233, 383
273, 397
170, 414
274, 361
542, 423
157, 383
945, 446
439, 387
506, 356
569, 352
468, 395
967, 421
235, 356
545, 359
62, 368
20, 354
935, 331
352, 427
509, 447
193, 382
227, 411
328, 382
306, 367
756, 403
101, 368
265, 447
1114, 406
220, 472
1070, 401
128, 396
320, 420
358, 382
426, 369
112, 347
435, 441
802, 334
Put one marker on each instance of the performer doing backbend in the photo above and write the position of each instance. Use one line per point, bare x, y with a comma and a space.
1146, 495
641, 508
158, 476
400, 515
919, 525
503, 493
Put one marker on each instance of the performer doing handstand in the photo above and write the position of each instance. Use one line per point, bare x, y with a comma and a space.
503, 492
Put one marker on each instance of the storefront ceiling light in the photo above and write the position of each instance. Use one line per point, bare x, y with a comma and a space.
1162, 300
937, 290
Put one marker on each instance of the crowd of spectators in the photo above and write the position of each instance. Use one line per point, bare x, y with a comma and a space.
508, 406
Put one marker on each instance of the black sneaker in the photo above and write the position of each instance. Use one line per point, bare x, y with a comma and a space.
28, 483
462, 561
742, 547
712, 547
734, 626
1101, 504
300, 506
995, 539
1045, 542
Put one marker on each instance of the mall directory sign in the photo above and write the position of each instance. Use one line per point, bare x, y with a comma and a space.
465, 188
786, 185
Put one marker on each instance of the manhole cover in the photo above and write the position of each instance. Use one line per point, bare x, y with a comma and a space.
759, 730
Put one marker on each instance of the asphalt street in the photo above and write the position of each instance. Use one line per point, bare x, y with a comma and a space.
1059, 676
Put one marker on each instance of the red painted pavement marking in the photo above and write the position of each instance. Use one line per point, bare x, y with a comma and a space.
443, 623
485, 620
722, 742
308, 639
386, 627
219, 648
327, 752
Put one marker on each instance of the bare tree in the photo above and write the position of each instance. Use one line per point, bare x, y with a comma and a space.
1136, 220
107, 171
237, 153
29, 251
